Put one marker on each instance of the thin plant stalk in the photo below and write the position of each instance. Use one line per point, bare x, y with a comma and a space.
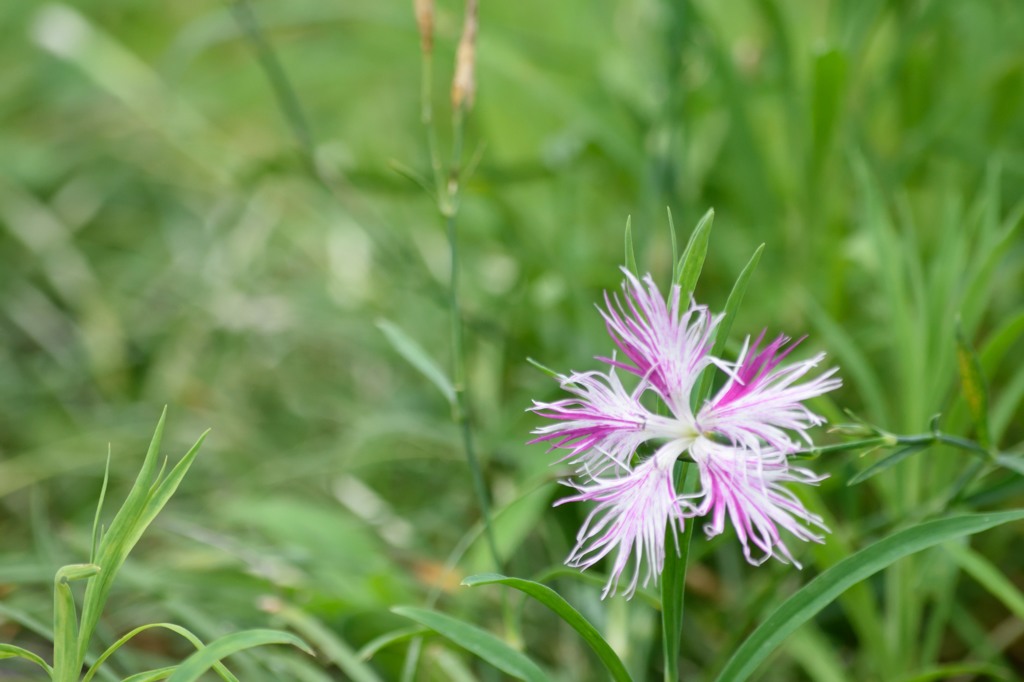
462, 402
448, 202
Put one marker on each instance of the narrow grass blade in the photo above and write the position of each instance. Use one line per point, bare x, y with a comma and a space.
478, 642
1011, 463
732, 306
115, 545
544, 368
416, 356
1001, 341
692, 261
975, 391
332, 646
732, 303
951, 671
163, 491
885, 463
824, 589
597, 579
674, 242
96, 528
152, 675
11, 651
988, 576
370, 649
219, 668
198, 663
287, 99
673, 584
630, 253
564, 610
26, 621
817, 656
451, 665
67, 665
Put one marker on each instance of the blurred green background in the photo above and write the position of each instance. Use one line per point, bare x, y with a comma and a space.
163, 240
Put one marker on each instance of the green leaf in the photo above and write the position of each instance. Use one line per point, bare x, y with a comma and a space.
115, 545
67, 664
732, 306
413, 175
152, 675
630, 253
692, 261
732, 303
416, 356
551, 599
886, 462
544, 368
1011, 463
597, 579
972, 381
204, 659
674, 242
177, 629
370, 649
99, 509
988, 576
824, 589
950, 671
11, 651
477, 641
73, 572
163, 490
673, 582
338, 651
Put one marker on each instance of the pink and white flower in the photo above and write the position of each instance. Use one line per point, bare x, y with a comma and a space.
740, 440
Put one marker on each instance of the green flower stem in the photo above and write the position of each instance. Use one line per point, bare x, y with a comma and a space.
450, 209
888, 440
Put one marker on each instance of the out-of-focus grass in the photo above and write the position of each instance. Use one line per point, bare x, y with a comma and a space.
162, 240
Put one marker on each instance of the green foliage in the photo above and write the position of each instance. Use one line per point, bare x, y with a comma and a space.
821, 591
211, 205
480, 642
551, 599
72, 638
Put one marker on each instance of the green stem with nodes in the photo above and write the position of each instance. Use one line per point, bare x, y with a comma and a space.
450, 208
889, 440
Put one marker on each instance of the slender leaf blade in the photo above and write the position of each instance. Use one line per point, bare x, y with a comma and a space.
370, 649
204, 659
885, 463
477, 641
99, 509
630, 252
564, 610
185, 633
336, 649
989, 577
114, 547
152, 675
732, 306
673, 583
11, 651
824, 589
674, 242
66, 663
415, 355
949, 671
692, 261
1012, 463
